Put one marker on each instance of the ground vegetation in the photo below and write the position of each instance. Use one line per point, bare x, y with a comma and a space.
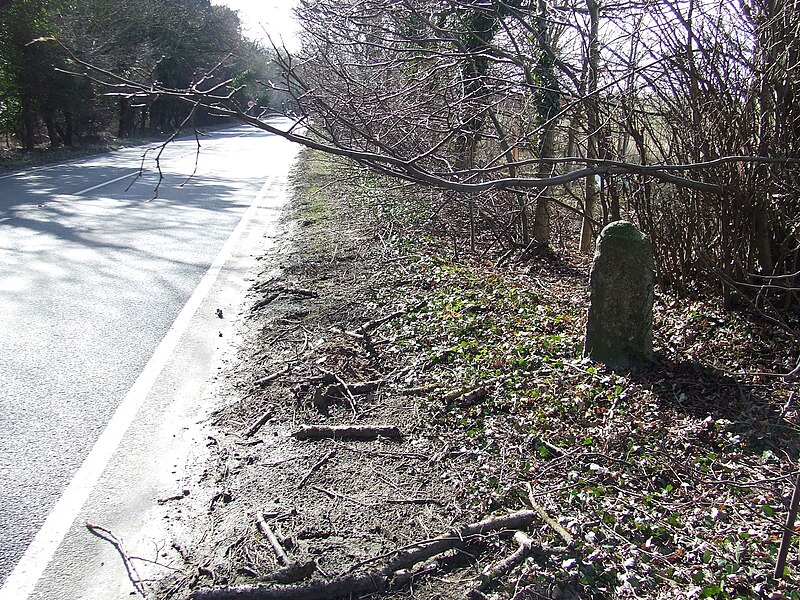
410, 420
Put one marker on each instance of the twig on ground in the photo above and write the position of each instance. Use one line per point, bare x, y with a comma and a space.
365, 387
133, 575
259, 423
339, 496
315, 467
552, 523
413, 501
347, 393
372, 325
272, 377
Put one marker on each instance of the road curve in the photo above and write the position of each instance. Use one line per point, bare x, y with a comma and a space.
95, 267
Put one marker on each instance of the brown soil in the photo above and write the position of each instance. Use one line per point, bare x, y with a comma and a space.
668, 484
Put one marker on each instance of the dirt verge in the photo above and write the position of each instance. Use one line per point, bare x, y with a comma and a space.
665, 484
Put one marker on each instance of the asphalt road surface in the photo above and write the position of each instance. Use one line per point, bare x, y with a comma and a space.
95, 268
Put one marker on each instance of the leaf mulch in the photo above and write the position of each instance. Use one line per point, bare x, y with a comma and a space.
669, 483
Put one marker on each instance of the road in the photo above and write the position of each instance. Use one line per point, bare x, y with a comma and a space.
95, 270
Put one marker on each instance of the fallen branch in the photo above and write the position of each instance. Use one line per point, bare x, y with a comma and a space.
422, 389
360, 388
133, 575
346, 586
380, 579
290, 571
265, 380
552, 523
264, 528
264, 302
458, 537
295, 291
473, 391
293, 572
174, 497
259, 423
347, 432
375, 323
494, 572
315, 467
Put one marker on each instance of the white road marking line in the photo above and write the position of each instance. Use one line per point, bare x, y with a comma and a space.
99, 185
23, 579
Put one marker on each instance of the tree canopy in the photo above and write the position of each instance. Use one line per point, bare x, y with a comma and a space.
171, 44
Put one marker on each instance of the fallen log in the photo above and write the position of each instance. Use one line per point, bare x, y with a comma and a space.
347, 432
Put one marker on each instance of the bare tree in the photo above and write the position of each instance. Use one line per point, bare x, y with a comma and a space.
684, 112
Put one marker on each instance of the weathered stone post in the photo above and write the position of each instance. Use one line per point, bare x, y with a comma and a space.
619, 331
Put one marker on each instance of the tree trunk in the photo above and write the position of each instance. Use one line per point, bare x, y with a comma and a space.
541, 220
52, 131
28, 122
763, 234
126, 118
69, 128
592, 188
549, 100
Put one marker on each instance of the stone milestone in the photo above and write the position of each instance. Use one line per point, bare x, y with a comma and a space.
619, 330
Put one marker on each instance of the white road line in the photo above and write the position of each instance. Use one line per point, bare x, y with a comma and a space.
23, 579
99, 185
